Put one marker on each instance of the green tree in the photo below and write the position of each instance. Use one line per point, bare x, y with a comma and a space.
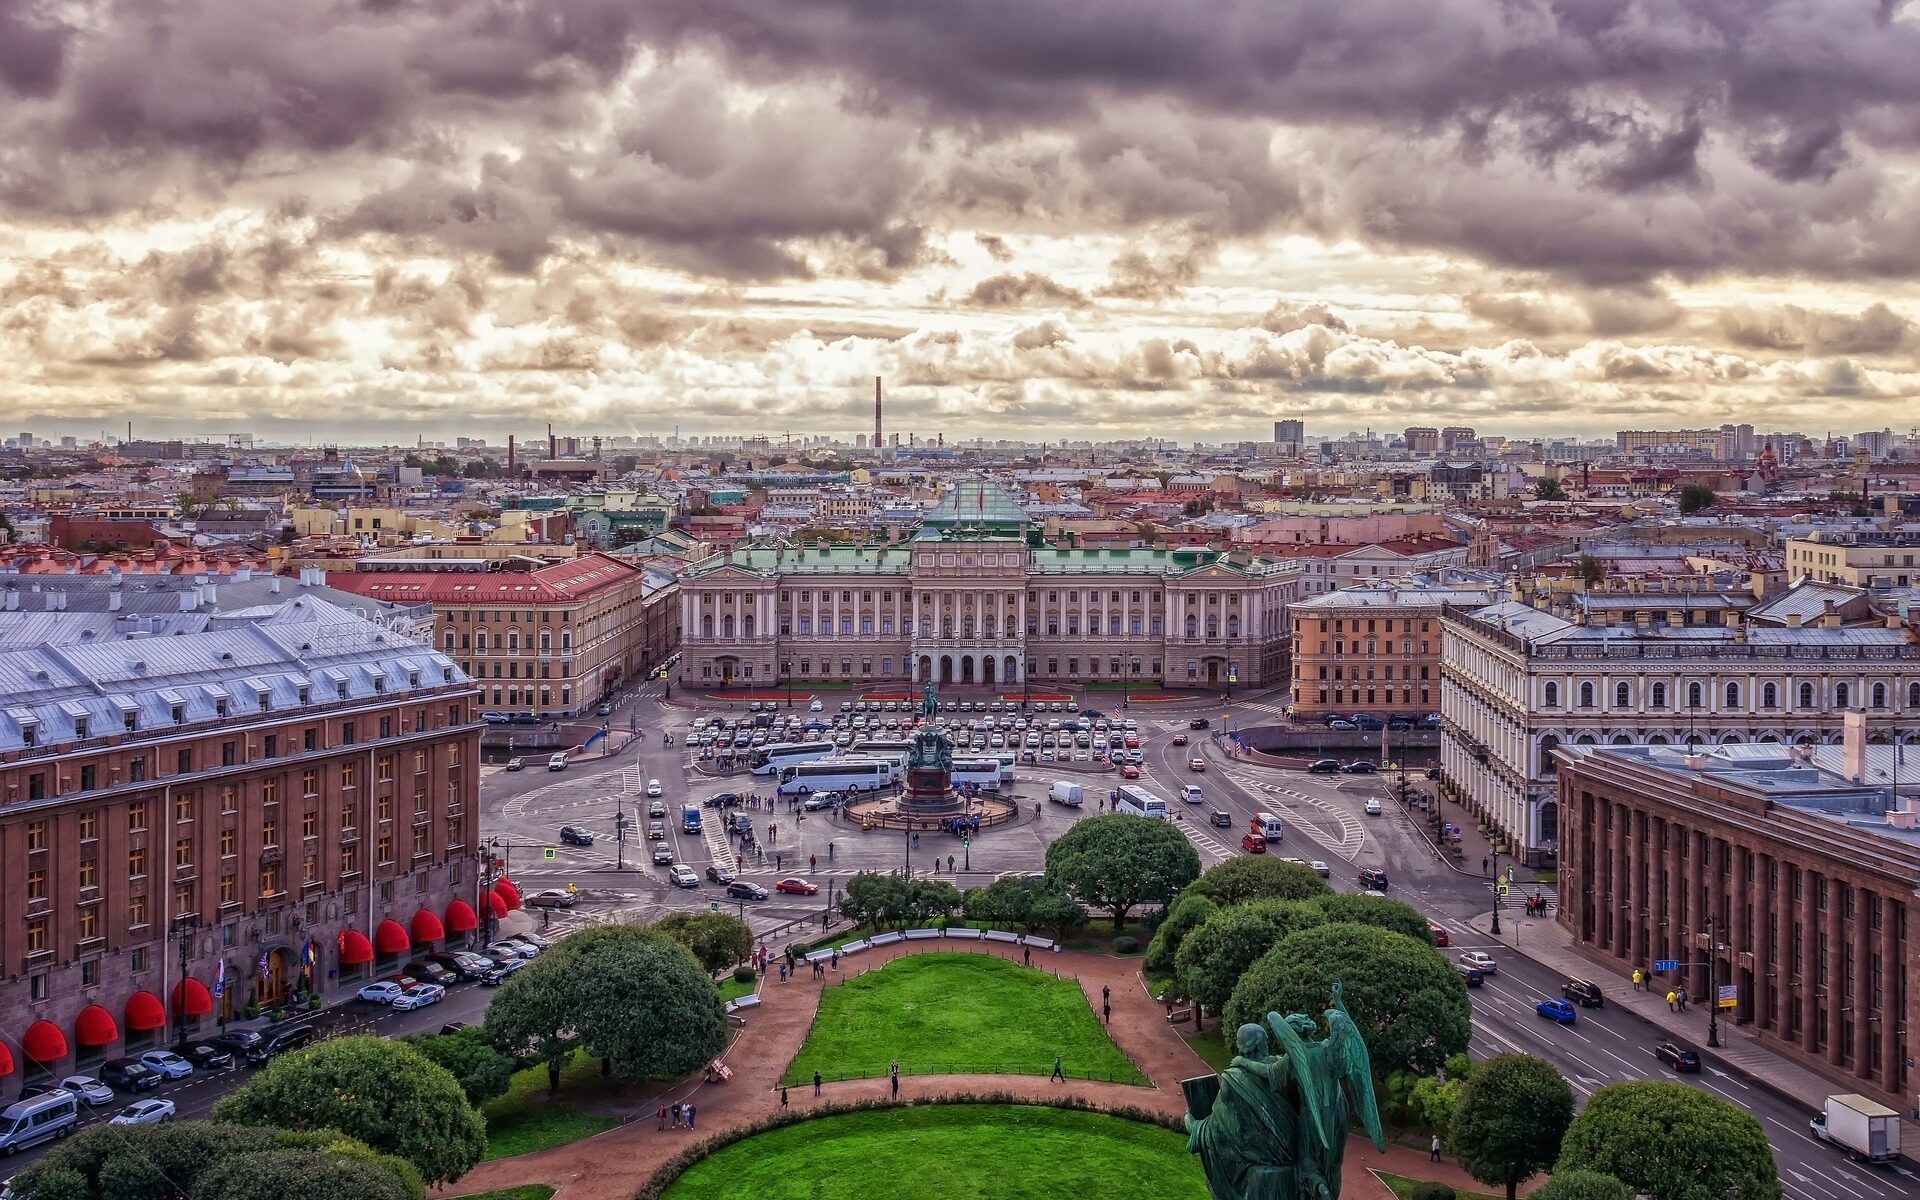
1120, 862
383, 1093
1188, 913
1549, 489
483, 1072
1407, 1000
1002, 903
298, 1175
1697, 496
137, 1162
872, 900
1671, 1142
718, 940
1359, 908
1260, 877
1581, 1185
1213, 957
642, 1003
1434, 1100
1590, 570
1053, 910
624, 464
531, 1017
1510, 1120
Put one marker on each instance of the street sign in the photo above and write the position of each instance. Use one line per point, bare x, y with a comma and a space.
1666, 964
547, 852
1729, 995
713, 906
1500, 889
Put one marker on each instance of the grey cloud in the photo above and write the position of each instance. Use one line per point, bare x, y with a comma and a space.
995, 246
1139, 274
1024, 290
1876, 329
1285, 318
32, 49
1602, 312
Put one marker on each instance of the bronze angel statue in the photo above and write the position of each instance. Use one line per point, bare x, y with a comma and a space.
1273, 1125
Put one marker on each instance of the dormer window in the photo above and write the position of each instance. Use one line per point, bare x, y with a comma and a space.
306, 695
266, 701
132, 721
179, 714
220, 708
80, 727
29, 733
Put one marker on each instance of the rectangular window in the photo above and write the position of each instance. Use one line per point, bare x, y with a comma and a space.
137, 862
136, 816
183, 854
36, 835
183, 808
229, 888
37, 936
229, 839
89, 826
89, 873
37, 883
90, 923
310, 783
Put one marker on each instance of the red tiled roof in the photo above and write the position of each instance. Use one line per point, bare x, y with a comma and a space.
564, 582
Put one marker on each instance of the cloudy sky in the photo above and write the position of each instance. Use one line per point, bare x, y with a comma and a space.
1037, 218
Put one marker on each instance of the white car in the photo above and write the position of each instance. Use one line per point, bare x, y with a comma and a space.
88, 1089
1373, 808
167, 1063
144, 1112
1480, 962
654, 788
381, 993
420, 995
816, 706
1320, 868
503, 950
683, 876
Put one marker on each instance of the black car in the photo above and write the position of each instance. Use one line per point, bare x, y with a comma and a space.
1433, 772
1223, 818
1373, 877
719, 875
205, 1056
574, 835
279, 1041
235, 1042
427, 971
129, 1075
720, 800
1359, 766
740, 889
1583, 992
1471, 976
1324, 766
1198, 723
1685, 1061
464, 966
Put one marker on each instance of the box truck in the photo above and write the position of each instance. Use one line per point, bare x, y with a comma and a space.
1864, 1128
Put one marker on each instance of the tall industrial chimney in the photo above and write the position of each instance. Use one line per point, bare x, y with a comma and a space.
553, 444
876, 415
509, 455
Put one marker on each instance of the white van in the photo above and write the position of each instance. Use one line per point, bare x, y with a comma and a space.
558, 762
34, 1120
1191, 794
1073, 795
1269, 826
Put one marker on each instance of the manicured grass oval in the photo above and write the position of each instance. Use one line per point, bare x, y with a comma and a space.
952, 1013
951, 1152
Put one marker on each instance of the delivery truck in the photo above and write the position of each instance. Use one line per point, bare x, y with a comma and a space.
1073, 795
1862, 1127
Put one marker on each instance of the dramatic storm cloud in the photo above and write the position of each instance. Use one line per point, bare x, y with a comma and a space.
1090, 217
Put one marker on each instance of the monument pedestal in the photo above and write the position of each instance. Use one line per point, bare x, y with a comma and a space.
929, 790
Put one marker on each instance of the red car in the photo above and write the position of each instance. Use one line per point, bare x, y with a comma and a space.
1253, 843
1129, 771
797, 887
1179, 739
1439, 933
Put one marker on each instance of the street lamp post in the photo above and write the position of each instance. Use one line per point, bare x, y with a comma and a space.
907, 833
1496, 889
183, 927
786, 668
1713, 991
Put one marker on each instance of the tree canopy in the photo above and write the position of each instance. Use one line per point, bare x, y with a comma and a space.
1549, 489
1260, 877
642, 1002
888, 901
482, 1071
298, 1175
1188, 913
1360, 908
1213, 957
1697, 496
1407, 1000
718, 940
1671, 1142
1025, 902
196, 1158
1581, 1185
531, 1017
1119, 862
383, 1093
1510, 1120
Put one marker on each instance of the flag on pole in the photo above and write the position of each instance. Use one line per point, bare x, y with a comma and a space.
307, 955
264, 965
220, 978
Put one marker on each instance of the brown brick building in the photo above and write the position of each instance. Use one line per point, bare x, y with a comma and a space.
291, 793
1799, 860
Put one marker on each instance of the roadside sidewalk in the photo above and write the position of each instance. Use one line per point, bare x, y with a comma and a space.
1545, 942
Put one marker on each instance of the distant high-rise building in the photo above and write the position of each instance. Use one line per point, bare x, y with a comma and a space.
1289, 435
1454, 438
1422, 439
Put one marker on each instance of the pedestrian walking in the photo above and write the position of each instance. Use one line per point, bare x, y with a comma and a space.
676, 1114
1026, 956
1059, 1075
1637, 980
816, 1083
783, 972
893, 1073
1683, 999
829, 851
1671, 1001
1106, 993
1483, 864
1106, 1012
689, 1116
1433, 1151
813, 862
836, 958
776, 860
949, 864
783, 1097
663, 1116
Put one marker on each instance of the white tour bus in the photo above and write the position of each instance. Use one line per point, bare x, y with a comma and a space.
835, 775
982, 771
893, 753
1132, 798
767, 760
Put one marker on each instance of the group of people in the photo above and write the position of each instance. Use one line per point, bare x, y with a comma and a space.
680, 1114
1676, 997
1536, 905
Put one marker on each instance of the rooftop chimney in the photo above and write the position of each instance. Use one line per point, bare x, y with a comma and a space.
1853, 742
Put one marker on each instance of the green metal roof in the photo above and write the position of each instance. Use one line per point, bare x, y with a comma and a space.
979, 506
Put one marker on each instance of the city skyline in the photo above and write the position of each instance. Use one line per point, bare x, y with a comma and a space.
377, 223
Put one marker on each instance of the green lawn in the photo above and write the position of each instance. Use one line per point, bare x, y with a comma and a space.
527, 1119
1402, 1187
946, 1013
733, 989
951, 1152
1211, 1047
533, 1191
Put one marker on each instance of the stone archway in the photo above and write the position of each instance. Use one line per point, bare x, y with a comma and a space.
924, 672
966, 668
1011, 672
946, 668
986, 669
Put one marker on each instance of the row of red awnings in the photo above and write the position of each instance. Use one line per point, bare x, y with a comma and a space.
44, 1042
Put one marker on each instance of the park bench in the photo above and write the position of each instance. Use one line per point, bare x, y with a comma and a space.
1179, 1016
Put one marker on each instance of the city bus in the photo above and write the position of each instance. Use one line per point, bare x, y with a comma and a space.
894, 754
767, 760
835, 775
982, 771
1132, 798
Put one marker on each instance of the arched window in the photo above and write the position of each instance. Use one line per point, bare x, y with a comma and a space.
1733, 695
1806, 695
1550, 696
1913, 695
726, 626
1694, 693
1586, 695
1548, 744
1621, 739
1770, 696
1193, 626
1841, 695
1585, 739
1659, 695
1622, 696
1233, 627
706, 626
1879, 695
